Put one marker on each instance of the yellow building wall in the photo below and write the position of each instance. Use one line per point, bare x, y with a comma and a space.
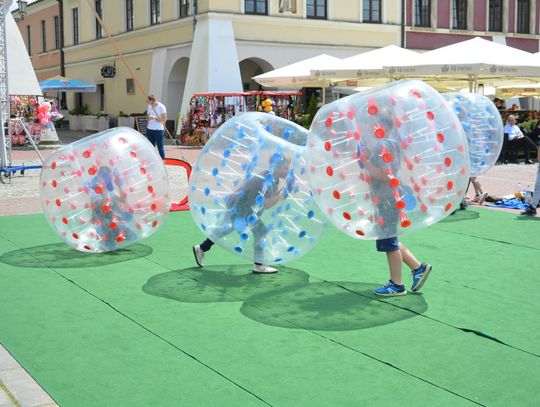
271, 29
161, 35
85, 60
116, 96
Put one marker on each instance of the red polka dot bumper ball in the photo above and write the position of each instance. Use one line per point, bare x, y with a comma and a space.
388, 161
483, 126
106, 191
249, 191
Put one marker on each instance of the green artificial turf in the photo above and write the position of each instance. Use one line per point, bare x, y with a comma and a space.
144, 326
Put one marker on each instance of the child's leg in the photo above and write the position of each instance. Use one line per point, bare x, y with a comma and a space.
393, 254
477, 186
408, 258
206, 245
394, 264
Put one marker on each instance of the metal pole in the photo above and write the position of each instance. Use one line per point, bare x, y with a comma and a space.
5, 142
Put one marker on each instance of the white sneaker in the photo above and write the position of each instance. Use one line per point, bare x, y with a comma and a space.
482, 198
263, 269
198, 254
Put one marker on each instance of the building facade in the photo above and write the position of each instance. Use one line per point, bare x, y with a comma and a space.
41, 32
157, 42
433, 24
174, 48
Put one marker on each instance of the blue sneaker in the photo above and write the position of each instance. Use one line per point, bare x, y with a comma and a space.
390, 290
419, 276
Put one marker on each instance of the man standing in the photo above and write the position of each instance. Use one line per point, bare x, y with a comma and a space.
157, 117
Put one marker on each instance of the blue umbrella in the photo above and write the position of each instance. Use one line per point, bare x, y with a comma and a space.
61, 84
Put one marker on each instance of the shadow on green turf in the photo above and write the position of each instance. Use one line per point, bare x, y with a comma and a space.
331, 306
60, 255
526, 217
287, 299
461, 215
220, 283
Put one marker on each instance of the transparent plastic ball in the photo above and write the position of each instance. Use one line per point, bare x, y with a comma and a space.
106, 191
249, 190
388, 161
483, 126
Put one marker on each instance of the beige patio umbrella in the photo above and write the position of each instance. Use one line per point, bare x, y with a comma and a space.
297, 74
365, 65
474, 61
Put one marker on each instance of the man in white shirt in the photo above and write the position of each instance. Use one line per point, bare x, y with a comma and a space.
157, 117
516, 140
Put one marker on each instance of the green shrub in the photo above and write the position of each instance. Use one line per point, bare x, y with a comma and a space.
81, 111
311, 110
528, 126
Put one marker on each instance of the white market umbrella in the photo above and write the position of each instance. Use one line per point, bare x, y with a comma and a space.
475, 60
366, 65
297, 74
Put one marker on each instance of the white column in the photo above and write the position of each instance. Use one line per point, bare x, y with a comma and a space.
213, 65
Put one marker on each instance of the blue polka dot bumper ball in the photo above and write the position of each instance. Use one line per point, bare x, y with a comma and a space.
389, 161
483, 125
249, 191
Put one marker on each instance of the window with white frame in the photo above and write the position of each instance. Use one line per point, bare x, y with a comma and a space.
56, 32
422, 13
256, 7
183, 8
495, 18
316, 9
43, 36
523, 15
371, 11
75, 24
459, 14
28, 40
155, 17
129, 15
99, 12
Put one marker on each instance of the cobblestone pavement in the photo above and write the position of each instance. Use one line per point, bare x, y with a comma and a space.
19, 196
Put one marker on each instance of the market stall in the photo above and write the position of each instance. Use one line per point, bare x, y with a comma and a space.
209, 110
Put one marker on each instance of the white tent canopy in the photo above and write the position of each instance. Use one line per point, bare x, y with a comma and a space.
365, 65
21, 76
297, 74
474, 59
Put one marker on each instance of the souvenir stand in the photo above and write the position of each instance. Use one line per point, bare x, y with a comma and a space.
209, 110
17, 77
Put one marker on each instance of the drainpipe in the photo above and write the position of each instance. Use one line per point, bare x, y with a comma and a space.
63, 95
403, 14
61, 28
